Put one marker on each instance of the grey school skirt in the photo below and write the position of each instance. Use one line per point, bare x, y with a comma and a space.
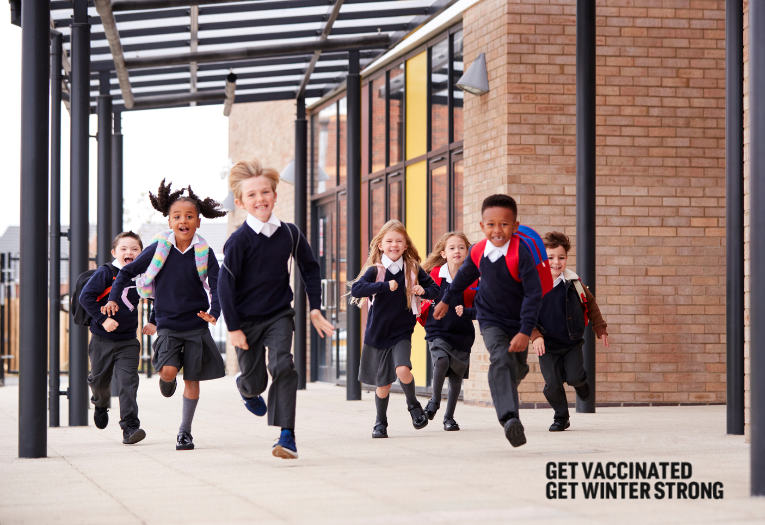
459, 360
194, 351
378, 366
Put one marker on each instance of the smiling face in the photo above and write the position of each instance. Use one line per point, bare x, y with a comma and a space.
393, 245
184, 220
127, 250
258, 198
558, 259
498, 224
455, 251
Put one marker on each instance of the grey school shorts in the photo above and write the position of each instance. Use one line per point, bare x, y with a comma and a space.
378, 366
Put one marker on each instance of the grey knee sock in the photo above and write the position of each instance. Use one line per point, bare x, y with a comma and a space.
408, 388
440, 367
381, 403
189, 406
455, 385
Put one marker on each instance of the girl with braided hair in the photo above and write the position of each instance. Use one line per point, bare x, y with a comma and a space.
178, 269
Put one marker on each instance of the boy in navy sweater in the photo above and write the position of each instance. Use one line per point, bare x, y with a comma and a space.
113, 346
256, 295
507, 309
559, 338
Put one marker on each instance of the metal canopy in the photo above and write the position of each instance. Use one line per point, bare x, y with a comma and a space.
155, 29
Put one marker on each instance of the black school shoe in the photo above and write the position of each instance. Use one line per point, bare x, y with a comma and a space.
514, 432
583, 392
450, 424
132, 435
168, 389
559, 425
380, 430
101, 417
185, 441
431, 408
419, 419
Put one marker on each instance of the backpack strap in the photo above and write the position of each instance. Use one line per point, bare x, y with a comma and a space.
476, 252
512, 257
435, 274
115, 271
582, 298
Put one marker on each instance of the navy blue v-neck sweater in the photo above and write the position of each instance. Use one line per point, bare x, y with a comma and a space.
501, 301
456, 330
127, 320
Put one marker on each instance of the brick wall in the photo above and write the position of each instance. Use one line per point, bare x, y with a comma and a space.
660, 196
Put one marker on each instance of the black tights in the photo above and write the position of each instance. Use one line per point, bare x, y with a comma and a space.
440, 368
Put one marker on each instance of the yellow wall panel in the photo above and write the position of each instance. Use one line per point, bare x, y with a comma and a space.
417, 106
416, 226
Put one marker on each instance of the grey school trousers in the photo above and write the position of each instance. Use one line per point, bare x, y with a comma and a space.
276, 335
559, 366
122, 358
503, 372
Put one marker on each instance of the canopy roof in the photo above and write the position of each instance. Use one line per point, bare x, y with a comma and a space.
156, 29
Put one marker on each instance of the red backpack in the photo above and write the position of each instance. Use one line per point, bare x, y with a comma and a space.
533, 242
468, 295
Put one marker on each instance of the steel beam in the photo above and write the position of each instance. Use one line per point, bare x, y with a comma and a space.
117, 189
33, 344
326, 30
135, 5
104, 224
54, 276
104, 8
79, 204
585, 174
164, 101
301, 206
353, 225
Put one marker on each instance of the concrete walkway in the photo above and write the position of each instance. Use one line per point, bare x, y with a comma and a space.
344, 477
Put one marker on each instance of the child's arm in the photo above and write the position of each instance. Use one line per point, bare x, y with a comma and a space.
468, 313
212, 281
232, 262
311, 274
430, 290
366, 285
532, 300
537, 341
599, 325
98, 282
127, 273
466, 275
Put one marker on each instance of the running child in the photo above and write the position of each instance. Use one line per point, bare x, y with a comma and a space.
507, 305
114, 348
559, 338
394, 284
256, 295
450, 338
177, 268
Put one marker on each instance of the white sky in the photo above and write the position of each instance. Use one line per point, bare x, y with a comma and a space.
184, 145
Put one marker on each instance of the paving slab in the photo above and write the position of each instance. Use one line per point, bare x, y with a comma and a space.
343, 476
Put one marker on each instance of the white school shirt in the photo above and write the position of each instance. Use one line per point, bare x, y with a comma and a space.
443, 273
392, 266
171, 240
494, 252
267, 228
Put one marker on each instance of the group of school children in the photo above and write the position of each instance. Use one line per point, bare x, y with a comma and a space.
500, 281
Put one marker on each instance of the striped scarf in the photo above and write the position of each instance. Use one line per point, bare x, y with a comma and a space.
145, 281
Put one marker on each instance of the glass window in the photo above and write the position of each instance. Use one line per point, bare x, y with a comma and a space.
378, 124
439, 202
459, 224
343, 142
439, 95
377, 205
457, 93
395, 198
326, 149
396, 109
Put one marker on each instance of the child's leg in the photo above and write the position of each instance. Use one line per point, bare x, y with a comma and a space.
440, 367
551, 366
252, 363
406, 379
101, 354
282, 394
126, 358
455, 385
381, 404
190, 400
167, 373
502, 374
573, 369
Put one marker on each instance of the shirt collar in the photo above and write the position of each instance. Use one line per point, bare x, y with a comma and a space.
266, 228
561, 278
490, 248
443, 273
393, 266
171, 240
116, 263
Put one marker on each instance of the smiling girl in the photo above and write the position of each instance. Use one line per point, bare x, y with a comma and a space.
177, 268
394, 283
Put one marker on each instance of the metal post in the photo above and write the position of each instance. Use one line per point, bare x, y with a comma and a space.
79, 203
301, 181
585, 174
104, 226
734, 213
117, 175
33, 348
353, 226
757, 244
54, 292
3, 299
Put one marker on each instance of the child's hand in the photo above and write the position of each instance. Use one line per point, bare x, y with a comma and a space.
110, 325
393, 285
440, 310
323, 326
418, 290
539, 345
459, 309
238, 339
519, 343
110, 308
605, 340
149, 329
207, 317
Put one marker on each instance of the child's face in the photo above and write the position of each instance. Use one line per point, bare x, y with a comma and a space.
393, 245
498, 224
258, 198
184, 220
558, 258
126, 251
455, 251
